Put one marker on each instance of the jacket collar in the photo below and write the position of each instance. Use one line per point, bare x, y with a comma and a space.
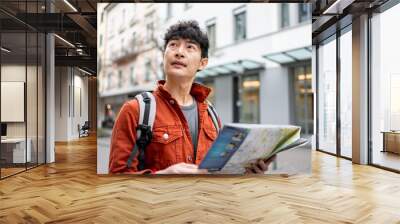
198, 91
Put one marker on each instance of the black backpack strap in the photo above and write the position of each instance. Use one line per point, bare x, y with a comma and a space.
214, 116
147, 112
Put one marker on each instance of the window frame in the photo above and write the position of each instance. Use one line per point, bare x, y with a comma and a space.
238, 12
213, 47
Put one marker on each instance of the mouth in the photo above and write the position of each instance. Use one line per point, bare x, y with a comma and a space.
178, 64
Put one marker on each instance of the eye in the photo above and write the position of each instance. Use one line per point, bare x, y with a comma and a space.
172, 44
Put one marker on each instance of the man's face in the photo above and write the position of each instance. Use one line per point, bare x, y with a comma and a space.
182, 58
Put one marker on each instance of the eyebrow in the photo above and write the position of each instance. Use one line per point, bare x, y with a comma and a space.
193, 42
188, 40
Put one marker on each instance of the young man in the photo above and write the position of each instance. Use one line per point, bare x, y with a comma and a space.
183, 130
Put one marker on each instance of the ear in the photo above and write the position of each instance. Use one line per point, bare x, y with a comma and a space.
203, 63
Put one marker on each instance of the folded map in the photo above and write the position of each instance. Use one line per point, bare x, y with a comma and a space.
238, 145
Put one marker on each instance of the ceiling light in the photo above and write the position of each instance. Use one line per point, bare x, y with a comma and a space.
84, 71
64, 40
70, 5
5, 50
337, 7
251, 84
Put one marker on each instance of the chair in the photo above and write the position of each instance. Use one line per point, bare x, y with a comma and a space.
84, 130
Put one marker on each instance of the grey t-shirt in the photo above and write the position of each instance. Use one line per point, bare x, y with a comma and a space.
192, 117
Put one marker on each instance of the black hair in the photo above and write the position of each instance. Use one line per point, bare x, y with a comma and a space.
188, 30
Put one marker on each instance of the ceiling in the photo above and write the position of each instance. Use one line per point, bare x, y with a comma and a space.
332, 15
74, 22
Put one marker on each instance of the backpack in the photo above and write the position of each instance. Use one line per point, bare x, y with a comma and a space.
144, 133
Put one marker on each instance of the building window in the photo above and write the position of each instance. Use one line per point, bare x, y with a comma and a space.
240, 26
385, 89
109, 81
122, 45
304, 12
122, 22
150, 31
285, 15
327, 96
120, 81
132, 19
131, 44
132, 76
346, 94
303, 99
211, 33
249, 93
123, 17
169, 10
148, 71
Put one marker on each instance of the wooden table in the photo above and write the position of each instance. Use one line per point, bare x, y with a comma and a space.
391, 141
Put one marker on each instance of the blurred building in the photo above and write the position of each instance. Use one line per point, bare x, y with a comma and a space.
259, 62
129, 58
258, 72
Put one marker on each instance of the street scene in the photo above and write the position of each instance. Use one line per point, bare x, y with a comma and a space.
257, 71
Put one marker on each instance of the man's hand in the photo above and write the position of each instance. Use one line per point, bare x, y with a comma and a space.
260, 166
182, 168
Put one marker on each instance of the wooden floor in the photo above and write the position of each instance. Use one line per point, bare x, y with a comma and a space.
69, 191
388, 159
10, 171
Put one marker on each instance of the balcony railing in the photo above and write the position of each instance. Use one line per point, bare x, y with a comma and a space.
127, 52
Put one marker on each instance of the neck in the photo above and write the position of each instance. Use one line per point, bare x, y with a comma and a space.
180, 91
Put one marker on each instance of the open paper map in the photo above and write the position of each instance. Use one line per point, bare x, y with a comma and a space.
240, 144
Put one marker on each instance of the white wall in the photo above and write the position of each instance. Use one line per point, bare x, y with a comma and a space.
263, 29
264, 36
224, 98
50, 95
274, 102
17, 73
260, 14
69, 85
61, 103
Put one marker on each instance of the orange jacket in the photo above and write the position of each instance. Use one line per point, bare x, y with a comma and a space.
162, 153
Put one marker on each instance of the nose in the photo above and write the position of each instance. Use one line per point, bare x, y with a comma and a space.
180, 52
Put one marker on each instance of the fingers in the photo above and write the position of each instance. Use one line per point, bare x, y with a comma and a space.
269, 160
258, 168
263, 166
